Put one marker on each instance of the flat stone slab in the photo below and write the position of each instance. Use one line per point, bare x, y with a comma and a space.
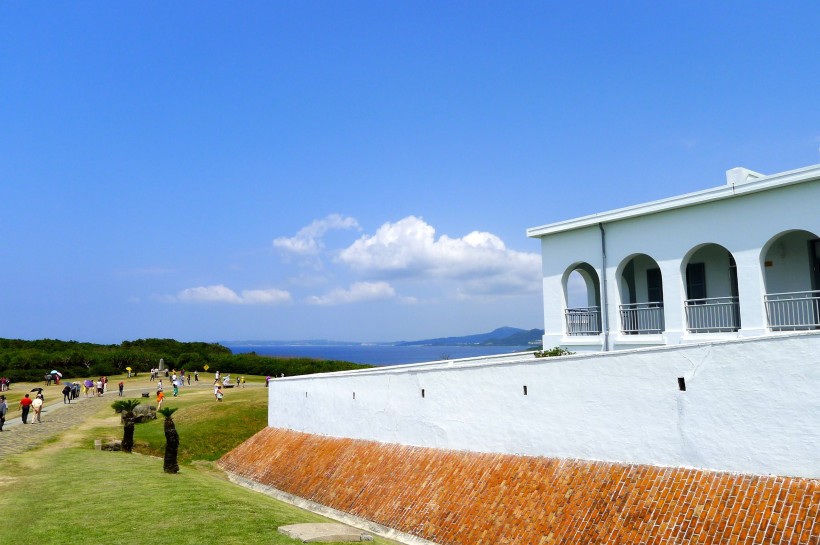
317, 532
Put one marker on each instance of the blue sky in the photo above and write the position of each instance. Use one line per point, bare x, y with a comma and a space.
359, 170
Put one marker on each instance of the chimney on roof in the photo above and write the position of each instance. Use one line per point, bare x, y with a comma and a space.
740, 175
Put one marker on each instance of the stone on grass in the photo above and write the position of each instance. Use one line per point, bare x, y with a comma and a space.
112, 445
143, 413
315, 532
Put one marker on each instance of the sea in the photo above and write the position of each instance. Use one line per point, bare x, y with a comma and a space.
376, 354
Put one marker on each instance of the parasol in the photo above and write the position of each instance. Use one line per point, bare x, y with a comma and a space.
59, 374
37, 390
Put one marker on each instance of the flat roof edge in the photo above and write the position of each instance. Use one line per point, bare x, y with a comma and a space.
781, 179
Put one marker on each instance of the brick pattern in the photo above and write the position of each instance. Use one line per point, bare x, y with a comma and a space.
470, 498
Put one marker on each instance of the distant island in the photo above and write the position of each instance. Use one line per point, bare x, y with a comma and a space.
503, 336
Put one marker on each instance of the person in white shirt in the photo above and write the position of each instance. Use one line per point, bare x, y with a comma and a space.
37, 407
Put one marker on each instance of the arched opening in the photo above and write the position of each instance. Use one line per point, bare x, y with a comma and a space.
582, 291
641, 290
791, 272
711, 303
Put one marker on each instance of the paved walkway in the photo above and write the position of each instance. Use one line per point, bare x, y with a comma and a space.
56, 418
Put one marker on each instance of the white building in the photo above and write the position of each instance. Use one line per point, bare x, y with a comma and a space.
739, 260
716, 294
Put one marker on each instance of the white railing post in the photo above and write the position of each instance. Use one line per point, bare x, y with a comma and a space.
642, 318
793, 311
712, 315
583, 321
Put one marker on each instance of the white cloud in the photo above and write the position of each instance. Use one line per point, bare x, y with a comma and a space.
265, 297
224, 294
208, 294
479, 261
308, 240
359, 291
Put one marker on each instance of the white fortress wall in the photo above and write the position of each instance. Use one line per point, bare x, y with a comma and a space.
750, 405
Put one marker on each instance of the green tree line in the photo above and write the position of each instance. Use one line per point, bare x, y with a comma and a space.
30, 360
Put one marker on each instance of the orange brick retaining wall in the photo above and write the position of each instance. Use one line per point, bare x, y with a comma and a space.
469, 498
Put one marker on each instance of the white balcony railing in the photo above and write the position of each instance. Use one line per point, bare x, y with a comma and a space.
712, 315
583, 321
798, 310
642, 318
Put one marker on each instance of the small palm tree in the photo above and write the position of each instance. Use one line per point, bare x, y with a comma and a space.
127, 406
171, 441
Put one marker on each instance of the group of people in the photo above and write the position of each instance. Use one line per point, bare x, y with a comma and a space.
94, 388
183, 376
27, 405
71, 391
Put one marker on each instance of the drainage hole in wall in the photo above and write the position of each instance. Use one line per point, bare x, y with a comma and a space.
422, 392
525, 390
681, 384
354, 395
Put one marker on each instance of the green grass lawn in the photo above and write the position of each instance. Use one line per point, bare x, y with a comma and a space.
67, 493
207, 428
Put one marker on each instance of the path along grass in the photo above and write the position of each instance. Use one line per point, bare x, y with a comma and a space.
65, 492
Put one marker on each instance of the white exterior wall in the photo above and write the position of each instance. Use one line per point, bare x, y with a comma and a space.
742, 224
750, 406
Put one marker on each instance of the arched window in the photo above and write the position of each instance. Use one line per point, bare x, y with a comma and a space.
791, 272
582, 290
712, 303
641, 290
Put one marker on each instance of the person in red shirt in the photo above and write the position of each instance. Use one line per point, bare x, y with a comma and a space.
25, 405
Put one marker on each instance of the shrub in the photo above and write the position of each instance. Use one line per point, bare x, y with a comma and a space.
557, 351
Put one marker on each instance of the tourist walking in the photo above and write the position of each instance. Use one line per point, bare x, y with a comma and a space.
219, 393
160, 398
196, 376
66, 394
122, 386
25, 407
37, 406
4, 408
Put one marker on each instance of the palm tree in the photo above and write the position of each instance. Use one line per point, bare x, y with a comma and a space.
127, 406
171, 441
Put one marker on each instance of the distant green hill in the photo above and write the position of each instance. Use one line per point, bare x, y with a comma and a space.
22, 360
503, 336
